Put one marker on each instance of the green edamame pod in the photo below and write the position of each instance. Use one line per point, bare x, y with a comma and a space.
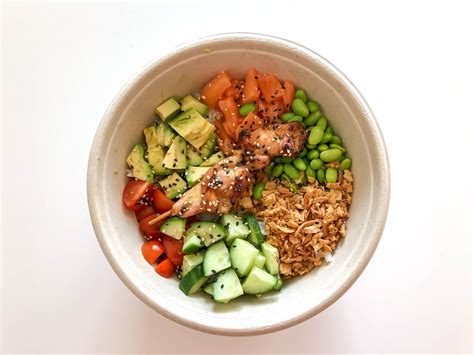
244, 110
310, 146
320, 175
278, 160
293, 187
331, 175
345, 164
322, 123
342, 157
277, 170
322, 148
315, 135
310, 172
286, 160
336, 140
330, 130
296, 118
306, 161
299, 164
326, 137
257, 190
287, 116
291, 171
337, 146
312, 118
313, 154
268, 169
299, 107
330, 155
313, 106
303, 153
301, 94
316, 164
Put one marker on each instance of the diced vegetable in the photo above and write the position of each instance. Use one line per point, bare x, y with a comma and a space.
175, 157
216, 259
193, 280
256, 235
208, 232
242, 256
192, 127
188, 102
235, 226
140, 168
174, 227
227, 287
173, 186
272, 259
190, 262
258, 282
167, 109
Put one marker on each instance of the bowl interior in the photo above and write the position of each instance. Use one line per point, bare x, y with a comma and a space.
185, 72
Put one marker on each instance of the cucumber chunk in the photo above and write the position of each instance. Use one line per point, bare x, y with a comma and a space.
272, 260
256, 235
242, 255
193, 280
259, 261
190, 262
208, 232
259, 281
235, 227
279, 284
227, 286
208, 288
192, 243
216, 259
174, 227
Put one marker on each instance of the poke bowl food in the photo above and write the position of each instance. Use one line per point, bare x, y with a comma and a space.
240, 187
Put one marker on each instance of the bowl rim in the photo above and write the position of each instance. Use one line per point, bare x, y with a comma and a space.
384, 196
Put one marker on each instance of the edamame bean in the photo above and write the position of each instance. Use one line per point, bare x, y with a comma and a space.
326, 137
320, 175
278, 160
286, 160
345, 164
322, 148
313, 154
306, 161
301, 94
341, 158
312, 119
330, 155
313, 106
336, 140
310, 146
291, 171
268, 169
330, 130
310, 172
257, 190
296, 118
322, 123
277, 170
331, 175
287, 116
316, 164
299, 164
337, 146
244, 110
316, 135
299, 107
291, 184
303, 153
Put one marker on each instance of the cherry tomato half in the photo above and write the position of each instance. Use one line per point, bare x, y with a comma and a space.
161, 202
150, 231
133, 192
165, 268
152, 250
143, 211
173, 249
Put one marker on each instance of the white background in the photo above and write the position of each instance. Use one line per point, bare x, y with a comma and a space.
63, 64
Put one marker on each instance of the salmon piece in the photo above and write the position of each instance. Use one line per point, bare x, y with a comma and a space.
214, 90
251, 92
289, 93
270, 87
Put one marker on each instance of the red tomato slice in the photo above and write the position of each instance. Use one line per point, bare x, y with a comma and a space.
165, 268
161, 202
143, 211
152, 250
133, 192
173, 249
150, 231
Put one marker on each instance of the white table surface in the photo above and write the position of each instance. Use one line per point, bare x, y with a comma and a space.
63, 64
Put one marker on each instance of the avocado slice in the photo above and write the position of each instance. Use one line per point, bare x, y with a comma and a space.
175, 158
188, 102
164, 135
193, 127
168, 109
173, 186
192, 155
155, 156
140, 168
209, 147
195, 173
213, 159
150, 136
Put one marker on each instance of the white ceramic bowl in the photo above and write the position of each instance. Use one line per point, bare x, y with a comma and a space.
185, 71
